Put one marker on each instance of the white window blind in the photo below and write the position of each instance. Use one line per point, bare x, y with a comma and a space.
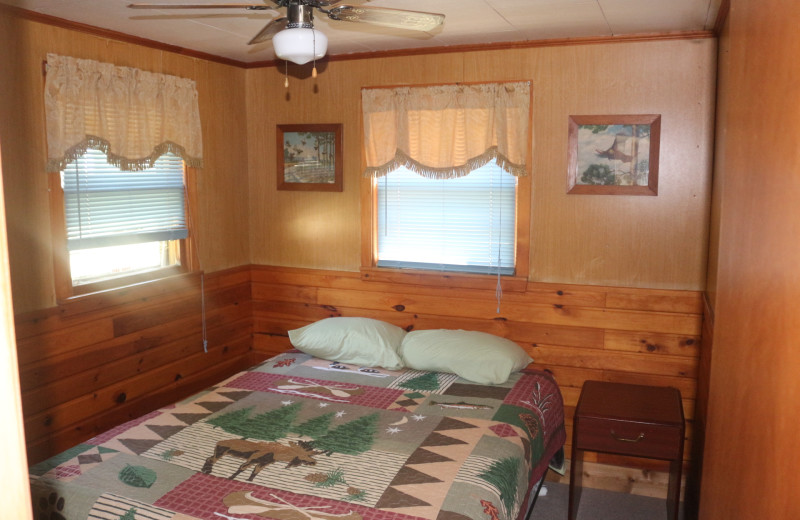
105, 206
462, 224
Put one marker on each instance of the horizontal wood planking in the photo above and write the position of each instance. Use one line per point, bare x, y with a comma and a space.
95, 361
58, 441
89, 366
63, 389
50, 368
578, 333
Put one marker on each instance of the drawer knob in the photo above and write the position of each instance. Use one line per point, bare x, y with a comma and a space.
626, 439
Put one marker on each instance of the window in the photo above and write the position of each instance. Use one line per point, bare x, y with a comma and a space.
464, 224
119, 227
470, 219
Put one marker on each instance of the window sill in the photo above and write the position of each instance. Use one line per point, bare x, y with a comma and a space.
118, 282
443, 279
135, 290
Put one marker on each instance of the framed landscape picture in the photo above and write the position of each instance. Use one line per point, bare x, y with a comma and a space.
310, 157
613, 154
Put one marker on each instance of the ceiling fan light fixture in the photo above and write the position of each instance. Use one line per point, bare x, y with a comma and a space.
300, 45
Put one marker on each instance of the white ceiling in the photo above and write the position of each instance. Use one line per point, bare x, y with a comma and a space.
225, 32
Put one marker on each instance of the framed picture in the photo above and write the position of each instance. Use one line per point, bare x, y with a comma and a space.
310, 157
614, 155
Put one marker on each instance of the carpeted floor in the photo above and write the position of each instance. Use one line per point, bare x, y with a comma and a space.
598, 504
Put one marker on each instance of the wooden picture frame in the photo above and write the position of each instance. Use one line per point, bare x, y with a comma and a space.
614, 154
309, 157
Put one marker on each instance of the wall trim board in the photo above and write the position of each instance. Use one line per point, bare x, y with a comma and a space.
694, 476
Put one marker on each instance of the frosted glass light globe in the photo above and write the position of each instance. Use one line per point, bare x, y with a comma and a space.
300, 45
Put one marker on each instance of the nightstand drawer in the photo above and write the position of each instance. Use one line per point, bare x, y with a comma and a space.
628, 438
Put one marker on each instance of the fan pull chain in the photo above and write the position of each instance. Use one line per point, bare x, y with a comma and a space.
286, 74
314, 53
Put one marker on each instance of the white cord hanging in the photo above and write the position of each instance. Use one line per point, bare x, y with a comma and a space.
195, 242
203, 309
499, 290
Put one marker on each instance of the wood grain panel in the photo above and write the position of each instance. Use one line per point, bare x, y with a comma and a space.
58, 441
578, 239
673, 301
754, 393
99, 400
15, 492
79, 310
428, 278
622, 362
486, 307
660, 343
64, 340
129, 355
98, 358
50, 394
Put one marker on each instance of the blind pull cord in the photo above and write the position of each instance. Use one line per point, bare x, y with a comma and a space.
498, 292
195, 241
203, 309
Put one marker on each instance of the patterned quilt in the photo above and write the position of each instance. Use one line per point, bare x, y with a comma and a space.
301, 438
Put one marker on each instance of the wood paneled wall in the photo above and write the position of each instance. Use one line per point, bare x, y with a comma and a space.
95, 362
751, 438
103, 359
640, 336
648, 242
220, 217
14, 493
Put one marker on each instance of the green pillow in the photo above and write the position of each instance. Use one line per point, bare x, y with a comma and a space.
360, 341
476, 356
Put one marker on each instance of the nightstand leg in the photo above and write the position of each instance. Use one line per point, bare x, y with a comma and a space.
674, 490
575, 481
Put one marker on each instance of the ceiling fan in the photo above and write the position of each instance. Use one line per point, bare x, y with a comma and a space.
294, 37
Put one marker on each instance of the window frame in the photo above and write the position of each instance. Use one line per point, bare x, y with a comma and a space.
369, 246
65, 290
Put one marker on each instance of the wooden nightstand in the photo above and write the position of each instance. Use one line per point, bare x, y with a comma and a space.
634, 420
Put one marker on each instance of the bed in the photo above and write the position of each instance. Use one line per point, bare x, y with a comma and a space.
300, 437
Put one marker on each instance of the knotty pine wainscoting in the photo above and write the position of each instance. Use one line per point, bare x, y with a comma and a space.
639, 336
95, 362
100, 360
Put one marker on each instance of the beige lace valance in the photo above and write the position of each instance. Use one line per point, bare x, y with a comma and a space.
133, 115
447, 130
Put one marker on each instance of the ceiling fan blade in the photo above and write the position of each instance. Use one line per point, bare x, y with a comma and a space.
322, 3
254, 7
271, 29
398, 18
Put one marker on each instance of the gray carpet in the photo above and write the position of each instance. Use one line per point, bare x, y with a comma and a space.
598, 504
